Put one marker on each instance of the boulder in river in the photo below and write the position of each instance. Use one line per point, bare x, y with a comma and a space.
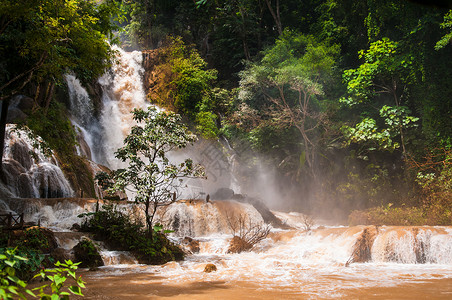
87, 253
191, 245
210, 268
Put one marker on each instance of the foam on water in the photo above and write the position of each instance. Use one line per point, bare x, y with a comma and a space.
312, 263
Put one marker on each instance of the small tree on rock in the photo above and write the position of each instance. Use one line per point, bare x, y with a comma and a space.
150, 174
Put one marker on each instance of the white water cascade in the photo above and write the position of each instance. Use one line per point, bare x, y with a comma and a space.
29, 172
122, 92
304, 264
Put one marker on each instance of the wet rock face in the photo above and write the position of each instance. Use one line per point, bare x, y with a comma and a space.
210, 268
88, 254
61, 255
28, 173
362, 249
223, 194
21, 154
19, 108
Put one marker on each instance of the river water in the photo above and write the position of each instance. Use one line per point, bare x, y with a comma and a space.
291, 264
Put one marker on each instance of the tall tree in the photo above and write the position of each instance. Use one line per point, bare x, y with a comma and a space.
381, 83
150, 174
290, 79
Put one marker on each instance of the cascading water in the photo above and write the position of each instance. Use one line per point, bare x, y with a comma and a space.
122, 92
28, 171
82, 111
198, 218
301, 264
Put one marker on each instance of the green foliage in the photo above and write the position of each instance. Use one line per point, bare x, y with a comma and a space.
389, 215
384, 69
367, 131
206, 124
53, 128
125, 232
4, 237
58, 278
11, 286
52, 132
33, 239
29, 246
286, 89
45, 39
87, 253
447, 24
434, 178
185, 85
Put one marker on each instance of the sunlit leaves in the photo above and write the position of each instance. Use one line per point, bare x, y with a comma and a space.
447, 24
381, 137
53, 37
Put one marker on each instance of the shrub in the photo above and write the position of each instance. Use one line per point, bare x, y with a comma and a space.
125, 232
388, 215
245, 233
13, 285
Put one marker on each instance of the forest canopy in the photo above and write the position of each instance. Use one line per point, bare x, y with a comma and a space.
348, 101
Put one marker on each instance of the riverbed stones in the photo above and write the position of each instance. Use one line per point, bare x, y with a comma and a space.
191, 245
209, 268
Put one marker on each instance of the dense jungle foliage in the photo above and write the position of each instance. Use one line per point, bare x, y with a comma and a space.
349, 101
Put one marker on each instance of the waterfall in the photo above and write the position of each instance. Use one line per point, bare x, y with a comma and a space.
198, 218
28, 171
122, 92
82, 111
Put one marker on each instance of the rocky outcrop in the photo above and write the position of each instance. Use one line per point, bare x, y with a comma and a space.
87, 254
19, 108
102, 194
150, 60
190, 245
362, 249
209, 268
61, 255
28, 172
267, 215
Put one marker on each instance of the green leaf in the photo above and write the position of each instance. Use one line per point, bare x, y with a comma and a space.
76, 290
59, 279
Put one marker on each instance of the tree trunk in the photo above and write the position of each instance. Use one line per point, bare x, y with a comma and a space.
276, 15
49, 96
